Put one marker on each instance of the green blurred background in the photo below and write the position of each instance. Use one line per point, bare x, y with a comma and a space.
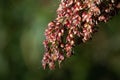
22, 25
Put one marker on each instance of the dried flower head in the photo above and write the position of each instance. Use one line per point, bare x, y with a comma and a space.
76, 19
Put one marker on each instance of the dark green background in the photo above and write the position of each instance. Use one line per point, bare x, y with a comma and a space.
22, 25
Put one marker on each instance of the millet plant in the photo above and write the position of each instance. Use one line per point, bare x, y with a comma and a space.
75, 23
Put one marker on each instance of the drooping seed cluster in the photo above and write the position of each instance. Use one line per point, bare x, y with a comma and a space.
75, 23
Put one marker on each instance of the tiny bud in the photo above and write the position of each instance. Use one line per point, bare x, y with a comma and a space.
51, 24
51, 65
62, 45
72, 42
62, 30
68, 47
59, 34
113, 1
71, 35
57, 23
75, 32
44, 65
68, 54
101, 18
54, 57
61, 57
107, 10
